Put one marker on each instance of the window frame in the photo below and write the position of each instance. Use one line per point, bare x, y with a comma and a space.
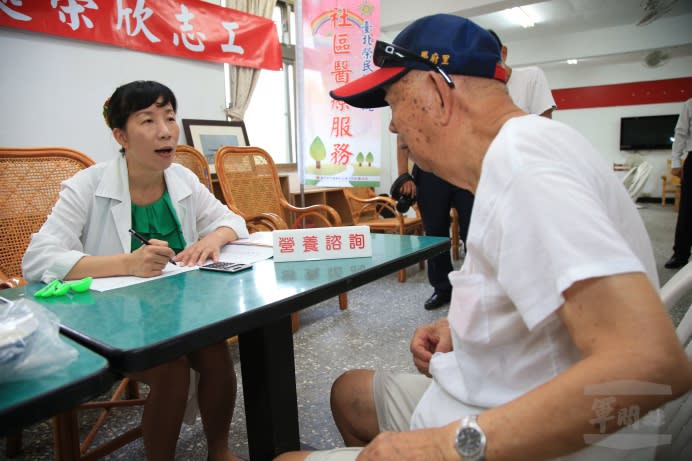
288, 53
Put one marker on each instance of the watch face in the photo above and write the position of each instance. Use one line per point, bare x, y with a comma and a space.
469, 441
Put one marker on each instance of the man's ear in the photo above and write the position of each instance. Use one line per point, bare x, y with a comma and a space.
446, 98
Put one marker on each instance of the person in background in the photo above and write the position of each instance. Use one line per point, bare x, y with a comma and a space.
529, 90
527, 86
557, 297
435, 198
682, 145
86, 234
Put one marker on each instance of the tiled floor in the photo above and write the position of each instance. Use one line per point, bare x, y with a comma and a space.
373, 333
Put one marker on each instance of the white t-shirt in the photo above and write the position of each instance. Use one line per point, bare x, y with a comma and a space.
548, 212
529, 90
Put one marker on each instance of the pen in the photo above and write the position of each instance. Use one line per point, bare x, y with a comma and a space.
144, 241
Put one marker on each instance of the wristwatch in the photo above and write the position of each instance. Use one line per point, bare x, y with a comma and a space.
470, 440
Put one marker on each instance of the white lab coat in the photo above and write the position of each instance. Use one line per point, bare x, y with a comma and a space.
93, 215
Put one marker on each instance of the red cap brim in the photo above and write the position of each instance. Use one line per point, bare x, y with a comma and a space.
368, 91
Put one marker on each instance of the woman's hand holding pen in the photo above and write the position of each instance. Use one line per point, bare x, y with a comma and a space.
150, 260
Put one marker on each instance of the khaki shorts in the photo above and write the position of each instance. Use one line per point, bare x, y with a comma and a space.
396, 396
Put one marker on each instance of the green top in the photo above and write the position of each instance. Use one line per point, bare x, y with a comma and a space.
159, 221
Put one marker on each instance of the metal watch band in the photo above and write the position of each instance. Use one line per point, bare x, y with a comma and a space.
470, 440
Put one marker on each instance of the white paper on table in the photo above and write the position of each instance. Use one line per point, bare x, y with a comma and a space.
245, 254
111, 283
263, 238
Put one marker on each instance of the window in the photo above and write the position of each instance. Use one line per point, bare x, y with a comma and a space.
270, 116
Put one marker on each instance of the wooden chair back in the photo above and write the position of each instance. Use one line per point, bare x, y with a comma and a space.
193, 159
366, 209
30, 181
366, 212
362, 212
250, 183
670, 185
249, 180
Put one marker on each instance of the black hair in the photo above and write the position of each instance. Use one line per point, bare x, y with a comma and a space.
496, 37
134, 96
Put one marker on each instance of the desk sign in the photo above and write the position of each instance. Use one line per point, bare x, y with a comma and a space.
322, 243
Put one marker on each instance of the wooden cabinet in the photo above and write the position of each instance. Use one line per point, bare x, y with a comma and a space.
332, 196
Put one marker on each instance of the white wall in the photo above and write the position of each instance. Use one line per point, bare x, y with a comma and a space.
52, 90
602, 125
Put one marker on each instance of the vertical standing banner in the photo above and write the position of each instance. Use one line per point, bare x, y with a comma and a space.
341, 145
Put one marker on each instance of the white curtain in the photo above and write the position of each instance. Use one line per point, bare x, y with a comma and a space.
242, 80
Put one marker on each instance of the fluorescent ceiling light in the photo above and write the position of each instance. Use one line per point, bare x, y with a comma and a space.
572, 61
521, 17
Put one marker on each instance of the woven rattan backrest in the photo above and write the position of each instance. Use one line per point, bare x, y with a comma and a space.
29, 186
249, 180
194, 160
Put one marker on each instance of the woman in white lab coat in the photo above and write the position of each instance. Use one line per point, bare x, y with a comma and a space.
87, 235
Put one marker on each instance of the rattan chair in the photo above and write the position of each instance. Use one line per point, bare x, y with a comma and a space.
29, 186
194, 160
366, 210
249, 182
670, 185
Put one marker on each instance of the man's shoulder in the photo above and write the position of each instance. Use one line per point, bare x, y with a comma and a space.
527, 69
527, 73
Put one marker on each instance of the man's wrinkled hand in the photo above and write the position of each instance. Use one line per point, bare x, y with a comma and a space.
428, 339
420, 445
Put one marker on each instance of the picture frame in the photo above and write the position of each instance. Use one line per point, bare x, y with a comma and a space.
208, 135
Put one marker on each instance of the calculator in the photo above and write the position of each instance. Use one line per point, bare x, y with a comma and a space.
226, 267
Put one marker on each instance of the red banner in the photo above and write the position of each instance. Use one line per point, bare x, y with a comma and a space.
624, 94
190, 29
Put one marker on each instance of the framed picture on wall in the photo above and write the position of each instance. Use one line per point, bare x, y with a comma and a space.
208, 135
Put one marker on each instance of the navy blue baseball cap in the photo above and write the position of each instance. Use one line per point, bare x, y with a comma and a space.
444, 43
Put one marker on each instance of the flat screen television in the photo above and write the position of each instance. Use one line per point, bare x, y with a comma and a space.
647, 133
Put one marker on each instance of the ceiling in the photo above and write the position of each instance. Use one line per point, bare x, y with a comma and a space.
592, 31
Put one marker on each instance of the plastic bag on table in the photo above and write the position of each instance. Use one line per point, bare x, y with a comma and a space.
30, 344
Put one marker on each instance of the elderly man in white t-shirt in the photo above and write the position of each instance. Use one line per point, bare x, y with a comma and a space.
556, 303
529, 90
527, 86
